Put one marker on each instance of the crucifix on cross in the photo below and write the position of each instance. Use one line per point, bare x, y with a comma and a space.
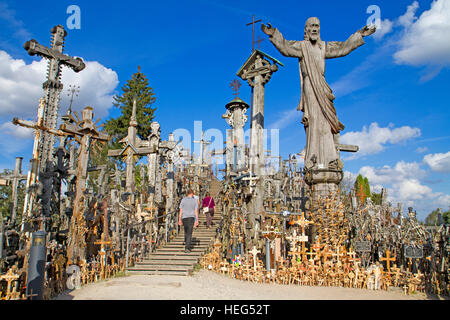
202, 143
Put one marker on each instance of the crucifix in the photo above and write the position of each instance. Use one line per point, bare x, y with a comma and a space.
9, 277
102, 252
87, 131
202, 143
15, 177
35, 172
53, 86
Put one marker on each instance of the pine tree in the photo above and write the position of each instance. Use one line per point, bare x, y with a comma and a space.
137, 87
366, 187
362, 183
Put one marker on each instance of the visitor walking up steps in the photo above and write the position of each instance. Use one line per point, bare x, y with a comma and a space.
189, 217
208, 208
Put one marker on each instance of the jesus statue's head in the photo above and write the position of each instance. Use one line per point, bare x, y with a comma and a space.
312, 29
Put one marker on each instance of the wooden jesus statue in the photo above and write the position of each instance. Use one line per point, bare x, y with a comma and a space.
319, 115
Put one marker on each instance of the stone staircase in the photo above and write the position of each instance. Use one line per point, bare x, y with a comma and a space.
171, 258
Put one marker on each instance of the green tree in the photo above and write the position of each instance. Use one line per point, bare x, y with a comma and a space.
366, 187
137, 87
432, 218
376, 198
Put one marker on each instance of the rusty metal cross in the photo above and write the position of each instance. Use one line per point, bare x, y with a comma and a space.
253, 23
258, 42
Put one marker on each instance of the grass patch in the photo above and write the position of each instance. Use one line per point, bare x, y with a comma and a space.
197, 267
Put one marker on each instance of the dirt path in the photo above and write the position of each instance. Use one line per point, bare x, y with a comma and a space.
207, 285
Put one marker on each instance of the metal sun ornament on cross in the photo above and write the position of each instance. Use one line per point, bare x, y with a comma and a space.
235, 85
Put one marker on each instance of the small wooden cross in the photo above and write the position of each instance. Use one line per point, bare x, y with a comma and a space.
311, 253
302, 222
254, 252
388, 260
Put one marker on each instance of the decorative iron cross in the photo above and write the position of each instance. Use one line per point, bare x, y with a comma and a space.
235, 84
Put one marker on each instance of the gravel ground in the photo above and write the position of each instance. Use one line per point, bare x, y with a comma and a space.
208, 285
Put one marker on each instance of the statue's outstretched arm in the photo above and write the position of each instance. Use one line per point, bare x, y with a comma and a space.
336, 49
287, 48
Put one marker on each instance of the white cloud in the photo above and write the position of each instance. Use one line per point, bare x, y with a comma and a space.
385, 28
411, 189
439, 162
425, 39
21, 87
387, 175
403, 184
285, 119
372, 140
409, 17
9, 16
17, 131
421, 149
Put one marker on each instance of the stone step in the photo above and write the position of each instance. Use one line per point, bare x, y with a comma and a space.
175, 254
154, 273
180, 247
161, 267
191, 259
177, 250
167, 262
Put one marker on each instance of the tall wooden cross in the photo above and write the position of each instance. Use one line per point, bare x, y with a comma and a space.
87, 131
253, 37
34, 171
53, 86
131, 150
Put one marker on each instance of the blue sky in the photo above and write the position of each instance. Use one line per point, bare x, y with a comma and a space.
391, 94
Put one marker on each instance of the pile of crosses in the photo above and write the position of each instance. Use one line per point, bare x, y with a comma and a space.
105, 221
333, 258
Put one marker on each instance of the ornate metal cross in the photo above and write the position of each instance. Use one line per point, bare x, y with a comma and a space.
235, 84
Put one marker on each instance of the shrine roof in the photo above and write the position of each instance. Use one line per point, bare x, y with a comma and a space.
253, 57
